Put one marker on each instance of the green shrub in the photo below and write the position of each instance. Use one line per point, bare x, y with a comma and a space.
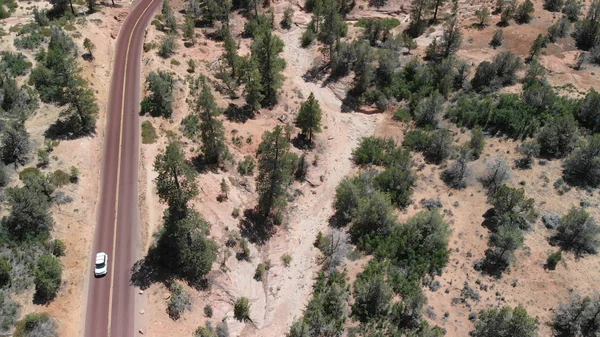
235, 212
402, 114
416, 140
9, 312
74, 178
505, 322
179, 301
439, 146
386, 23
5, 269
246, 166
28, 173
578, 232
58, 248
376, 151
286, 259
554, 259
31, 41
208, 311
36, 324
47, 279
60, 178
148, 133
16, 63
241, 309
260, 272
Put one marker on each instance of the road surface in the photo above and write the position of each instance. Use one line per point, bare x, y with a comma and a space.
110, 302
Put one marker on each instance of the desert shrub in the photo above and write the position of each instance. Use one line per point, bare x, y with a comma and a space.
586, 32
398, 180
246, 166
149, 135
496, 174
416, 140
179, 302
58, 248
439, 146
511, 207
578, 317
60, 178
572, 10
30, 41
524, 12
5, 270
578, 232
373, 217
241, 309
260, 271
301, 168
503, 242
167, 46
595, 54
582, 167
507, 65
456, 174
429, 110
554, 259
497, 39
553, 5
308, 37
16, 63
208, 311
375, 151
286, 259
485, 77
505, 322
372, 299
557, 138
325, 310
587, 113
420, 246
529, 150
48, 273
36, 325
559, 29
9, 311
477, 142
288, 15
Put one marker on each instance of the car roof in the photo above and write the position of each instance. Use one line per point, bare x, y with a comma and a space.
100, 257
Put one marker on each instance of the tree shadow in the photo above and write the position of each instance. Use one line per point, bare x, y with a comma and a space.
302, 143
87, 57
255, 227
316, 73
200, 164
39, 299
148, 271
64, 129
237, 114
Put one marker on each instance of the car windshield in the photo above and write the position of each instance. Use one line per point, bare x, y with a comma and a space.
100, 265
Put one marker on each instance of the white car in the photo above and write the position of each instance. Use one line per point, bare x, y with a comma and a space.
101, 266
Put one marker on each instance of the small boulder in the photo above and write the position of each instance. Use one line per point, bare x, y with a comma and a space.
551, 221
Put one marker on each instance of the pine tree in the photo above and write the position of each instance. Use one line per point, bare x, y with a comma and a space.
188, 28
436, 6
452, 36
253, 88
175, 182
276, 166
15, 144
419, 9
230, 53
83, 108
309, 117
212, 133
265, 52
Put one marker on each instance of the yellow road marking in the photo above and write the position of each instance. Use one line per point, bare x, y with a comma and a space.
112, 274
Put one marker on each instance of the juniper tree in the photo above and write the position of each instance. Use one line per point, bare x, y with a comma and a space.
15, 144
159, 102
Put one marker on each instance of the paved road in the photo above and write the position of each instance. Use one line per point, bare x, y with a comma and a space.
110, 303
